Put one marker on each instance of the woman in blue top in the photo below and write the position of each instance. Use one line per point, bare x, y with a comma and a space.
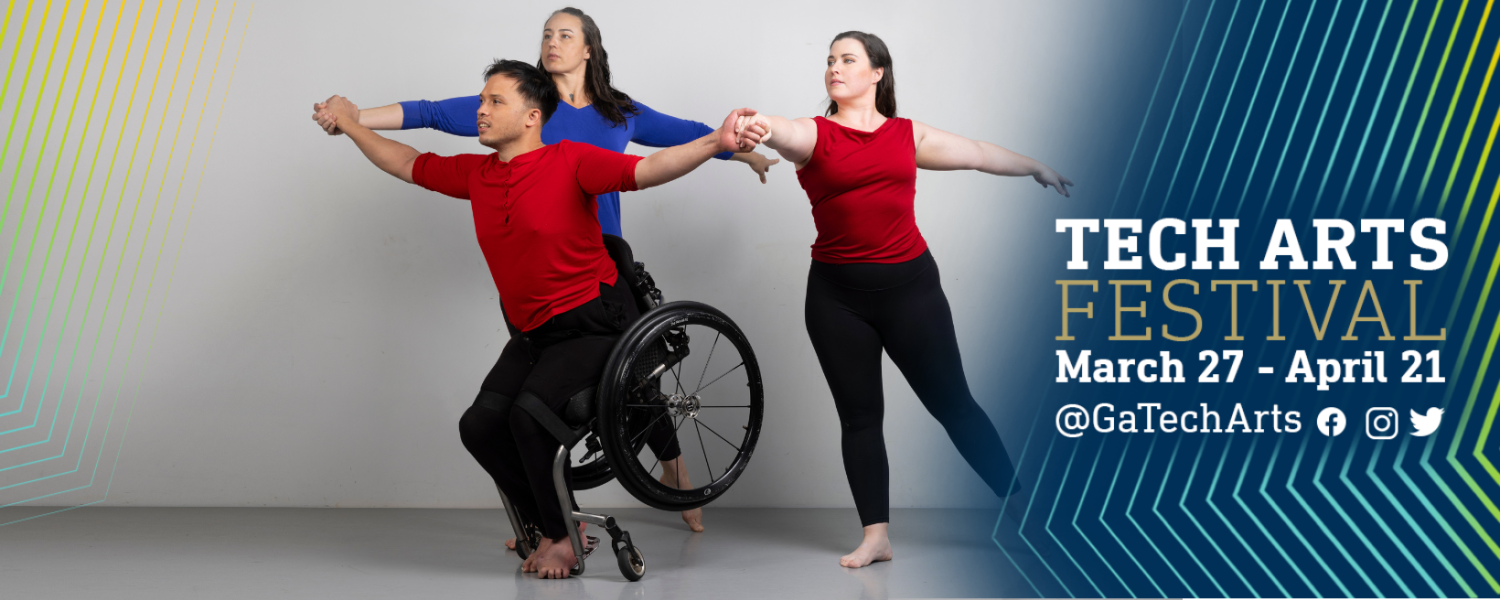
592, 111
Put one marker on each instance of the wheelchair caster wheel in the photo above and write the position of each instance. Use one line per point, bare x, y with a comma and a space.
632, 563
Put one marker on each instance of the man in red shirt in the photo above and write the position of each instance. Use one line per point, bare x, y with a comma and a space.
535, 216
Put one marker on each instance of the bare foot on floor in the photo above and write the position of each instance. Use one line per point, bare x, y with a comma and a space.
510, 544
694, 519
674, 474
554, 559
875, 548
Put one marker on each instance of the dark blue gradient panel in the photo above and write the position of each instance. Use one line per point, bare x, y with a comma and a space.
1312, 115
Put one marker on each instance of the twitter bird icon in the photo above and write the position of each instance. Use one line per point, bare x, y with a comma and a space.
1423, 425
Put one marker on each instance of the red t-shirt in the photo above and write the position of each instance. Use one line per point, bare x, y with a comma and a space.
863, 188
536, 218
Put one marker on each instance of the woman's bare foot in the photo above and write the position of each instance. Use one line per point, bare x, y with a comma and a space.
875, 548
675, 475
554, 559
694, 519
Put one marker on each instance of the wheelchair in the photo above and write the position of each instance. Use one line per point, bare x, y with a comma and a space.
648, 389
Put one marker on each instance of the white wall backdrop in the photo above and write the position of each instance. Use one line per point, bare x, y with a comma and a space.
328, 324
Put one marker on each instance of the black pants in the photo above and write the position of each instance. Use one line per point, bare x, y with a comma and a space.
855, 310
560, 358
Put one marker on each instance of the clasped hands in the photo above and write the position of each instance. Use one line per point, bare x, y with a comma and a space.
749, 128
329, 112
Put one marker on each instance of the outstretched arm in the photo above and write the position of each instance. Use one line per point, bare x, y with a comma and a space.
391, 156
794, 140
453, 116
380, 118
677, 161
938, 150
660, 130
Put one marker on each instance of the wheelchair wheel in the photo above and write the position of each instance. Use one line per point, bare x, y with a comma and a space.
687, 369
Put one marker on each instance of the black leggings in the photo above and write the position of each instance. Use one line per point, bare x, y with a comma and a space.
855, 310
560, 358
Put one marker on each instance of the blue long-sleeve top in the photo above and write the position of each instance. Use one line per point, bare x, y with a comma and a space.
456, 116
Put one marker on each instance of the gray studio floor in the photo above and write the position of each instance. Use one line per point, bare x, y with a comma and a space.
163, 553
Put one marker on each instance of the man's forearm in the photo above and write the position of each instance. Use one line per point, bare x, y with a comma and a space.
391, 156
674, 162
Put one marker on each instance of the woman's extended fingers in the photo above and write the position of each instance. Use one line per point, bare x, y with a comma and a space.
1047, 177
1061, 183
766, 166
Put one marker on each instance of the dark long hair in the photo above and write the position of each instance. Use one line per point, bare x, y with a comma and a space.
880, 58
614, 104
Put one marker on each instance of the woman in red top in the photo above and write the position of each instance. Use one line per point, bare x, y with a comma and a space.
873, 284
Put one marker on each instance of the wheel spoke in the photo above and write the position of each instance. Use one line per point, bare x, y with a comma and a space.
705, 451
710, 359
677, 378
711, 430
716, 379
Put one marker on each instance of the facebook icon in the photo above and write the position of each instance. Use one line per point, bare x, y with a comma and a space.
1331, 421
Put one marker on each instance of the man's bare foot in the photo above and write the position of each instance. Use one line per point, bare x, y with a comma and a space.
554, 559
510, 544
875, 548
674, 474
529, 565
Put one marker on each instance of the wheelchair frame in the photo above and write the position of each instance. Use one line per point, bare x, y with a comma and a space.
631, 561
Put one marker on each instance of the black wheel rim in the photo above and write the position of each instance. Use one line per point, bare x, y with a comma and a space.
712, 401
